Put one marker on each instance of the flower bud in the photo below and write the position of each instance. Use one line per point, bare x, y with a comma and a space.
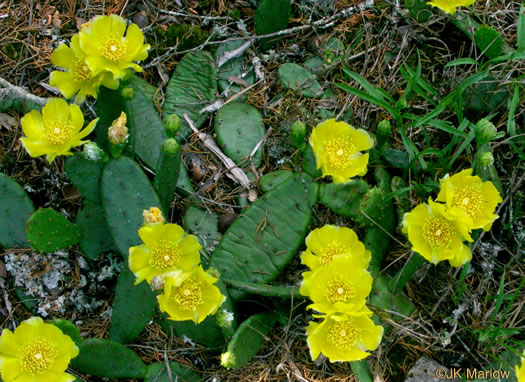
485, 131
118, 132
170, 146
92, 151
172, 125
228, 360
152, 216
298, 133
224, 318
486, 159
128, 93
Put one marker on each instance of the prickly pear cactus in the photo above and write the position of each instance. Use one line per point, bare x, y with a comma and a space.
204, 225
158, 372
309, 163
247, 340
109, 106
489, 41
263, 240
96, 238
85, 175
132, 308
68, 328
233, 72
239, 127
168, 168
273, 179
295, 77
15, 209
192, 87
271, 16
146, 127
126, 193
208, 333
343, 198
48, 231
106, 358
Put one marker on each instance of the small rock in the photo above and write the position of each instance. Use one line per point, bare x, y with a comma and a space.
428, 370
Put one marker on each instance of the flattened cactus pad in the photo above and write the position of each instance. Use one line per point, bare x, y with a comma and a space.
48, 231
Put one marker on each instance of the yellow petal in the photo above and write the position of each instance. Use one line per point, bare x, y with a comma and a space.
64, 82
77, 118
32, 125
36, 149
55, 107
63, 56
89, 128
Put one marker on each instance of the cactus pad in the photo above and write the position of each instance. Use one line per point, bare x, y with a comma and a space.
207, 333
48, 231
192, 87
126, 192
273, 179
343, 198
15, 209
295, 77
132, 309
232, 70
157, 372
263, 240
204, 225
96, 238
489, 41
167, 175
271, 16
239, 127
85, 175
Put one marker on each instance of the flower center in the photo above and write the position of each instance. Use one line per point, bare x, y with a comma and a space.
81, 72
469, 199
438, 231
164, 256
189, 295
339, 290
37, 356
113, 49
339, 152
344, 334
58, 132
330, 251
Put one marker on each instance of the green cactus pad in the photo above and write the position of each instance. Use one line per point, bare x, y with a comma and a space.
204, 225
146, 126
126, 193
343, 198
489, 41
247, 340
148, 90
310, 164
396, 158
158, 372
239, 127
106, 358
132, 308
208, 333
233, 69
109, 106
383, 298
192, 87
419, 10
96, 238
184, 186
69, 329
376, 209
226, 316
263, 240
295, 77
167, 175
271, 16
48, 231
85, 175
273, 179
15, 209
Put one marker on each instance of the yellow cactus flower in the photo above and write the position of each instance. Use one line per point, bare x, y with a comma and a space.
325, 243
520, 371
345, 336
190, 296
36, 352
118, 131
435, 235
56, 131
337, 146
450, 6
106, 47
78, 79
469, 199
165, 250
339, 282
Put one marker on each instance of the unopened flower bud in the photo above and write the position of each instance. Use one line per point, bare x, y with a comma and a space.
118, 132
172, 125
170, 146
298, 133
157, 283
228, 360
92, 151
152, 216
128, 93
485, 131
224, 318
486, 159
